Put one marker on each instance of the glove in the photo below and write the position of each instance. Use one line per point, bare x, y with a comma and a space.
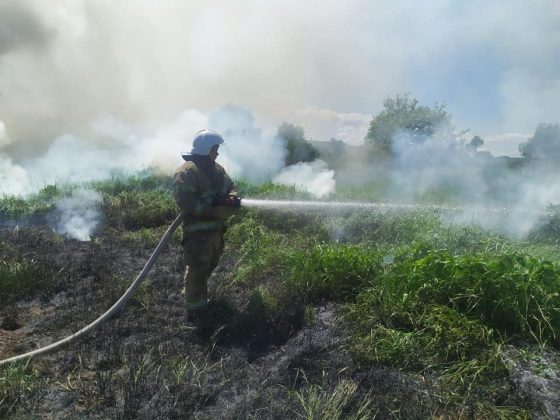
229, 201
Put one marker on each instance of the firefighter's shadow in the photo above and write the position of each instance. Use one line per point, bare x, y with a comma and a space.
253, 328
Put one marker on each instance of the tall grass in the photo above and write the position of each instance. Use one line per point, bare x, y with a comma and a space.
135, 210
145, 180
332, 272
516, 294
22, 278
43, 201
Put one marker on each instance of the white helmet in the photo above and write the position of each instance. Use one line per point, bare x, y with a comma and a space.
204, 140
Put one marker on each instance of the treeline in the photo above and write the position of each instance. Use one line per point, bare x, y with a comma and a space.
405, 121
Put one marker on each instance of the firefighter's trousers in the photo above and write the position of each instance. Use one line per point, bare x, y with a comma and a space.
202, 251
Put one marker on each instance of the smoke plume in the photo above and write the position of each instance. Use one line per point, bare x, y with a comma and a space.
79, 214
312, 177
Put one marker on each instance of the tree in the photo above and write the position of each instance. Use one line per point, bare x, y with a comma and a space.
545, 143
299, 149
403, 114
475, 143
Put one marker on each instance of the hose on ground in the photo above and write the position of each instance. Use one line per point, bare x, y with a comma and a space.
119, 304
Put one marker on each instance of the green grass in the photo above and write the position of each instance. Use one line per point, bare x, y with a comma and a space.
375, 191
416, 294
261, 251
516, 294
41, 202
22, 278
269, 190
15, 380
317, 401
146, 180
332, 272
129, 210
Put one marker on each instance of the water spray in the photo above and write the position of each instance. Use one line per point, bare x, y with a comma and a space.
349, 205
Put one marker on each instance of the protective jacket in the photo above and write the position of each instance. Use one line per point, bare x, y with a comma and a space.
197, 182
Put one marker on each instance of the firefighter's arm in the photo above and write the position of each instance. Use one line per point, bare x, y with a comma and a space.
224, 207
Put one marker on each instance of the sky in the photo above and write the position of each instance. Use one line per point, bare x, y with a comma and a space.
326, 65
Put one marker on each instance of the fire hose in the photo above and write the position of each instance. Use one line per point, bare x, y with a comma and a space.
119, 304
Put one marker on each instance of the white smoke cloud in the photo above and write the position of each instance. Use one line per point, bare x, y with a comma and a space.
248, 154
79, 214
481, 190
439, 162
312, 177
109, 146
13, 178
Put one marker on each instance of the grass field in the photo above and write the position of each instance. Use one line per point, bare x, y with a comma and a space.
455, 318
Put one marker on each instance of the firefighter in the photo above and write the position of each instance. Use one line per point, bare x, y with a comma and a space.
206, 195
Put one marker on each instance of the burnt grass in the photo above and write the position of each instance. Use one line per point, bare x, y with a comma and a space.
150, 361
239, 360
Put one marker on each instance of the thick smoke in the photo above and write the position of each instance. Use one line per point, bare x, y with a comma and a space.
114, 147
79, 214
20, 28
248, 154
438, 162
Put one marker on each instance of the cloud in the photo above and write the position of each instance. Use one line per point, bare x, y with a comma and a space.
505, 144
324, 124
